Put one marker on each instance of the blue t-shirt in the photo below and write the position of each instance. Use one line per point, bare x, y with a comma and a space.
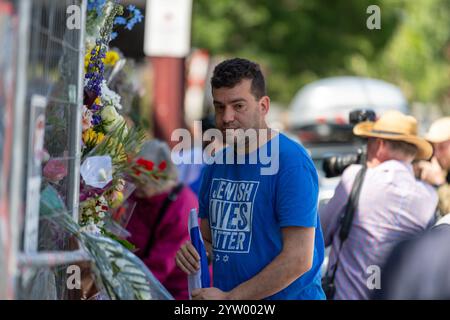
246, 210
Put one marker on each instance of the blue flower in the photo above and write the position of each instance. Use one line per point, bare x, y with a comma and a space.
120, 20
138, 15
113, 35
96, 5
131, 7
130, 25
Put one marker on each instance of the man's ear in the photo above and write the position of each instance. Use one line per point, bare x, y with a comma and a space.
382, 148
264, 104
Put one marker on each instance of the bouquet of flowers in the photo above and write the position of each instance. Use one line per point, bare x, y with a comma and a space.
108, 171
119, 272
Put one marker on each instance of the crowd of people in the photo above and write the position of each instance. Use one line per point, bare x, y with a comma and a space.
264, 235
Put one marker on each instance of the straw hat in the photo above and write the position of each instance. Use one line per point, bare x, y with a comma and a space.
394, 125
439, 131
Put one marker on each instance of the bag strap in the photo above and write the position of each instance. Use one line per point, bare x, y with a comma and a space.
347, 219
352, 205
171, 197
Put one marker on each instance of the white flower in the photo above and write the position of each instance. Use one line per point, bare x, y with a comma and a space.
102, 174
90, 168
102, 200
91, 228
120, 185
112, 117
101, 215
100, 224
109, 97
88, 212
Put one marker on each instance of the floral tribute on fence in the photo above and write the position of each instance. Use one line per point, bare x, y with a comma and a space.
109, 145
109, 169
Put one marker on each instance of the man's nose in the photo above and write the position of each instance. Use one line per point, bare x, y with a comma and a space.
228, 115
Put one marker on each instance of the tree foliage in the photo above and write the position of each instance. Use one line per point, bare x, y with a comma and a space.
297, 41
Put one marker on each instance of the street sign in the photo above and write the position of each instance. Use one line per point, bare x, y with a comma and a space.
168, 28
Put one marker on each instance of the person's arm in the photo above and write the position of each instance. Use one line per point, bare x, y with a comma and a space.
330, 213
294, 260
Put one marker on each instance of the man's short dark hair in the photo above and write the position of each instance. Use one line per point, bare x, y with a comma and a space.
230, 72
404, 147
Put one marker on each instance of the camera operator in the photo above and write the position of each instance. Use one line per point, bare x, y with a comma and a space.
389, 205
334, 166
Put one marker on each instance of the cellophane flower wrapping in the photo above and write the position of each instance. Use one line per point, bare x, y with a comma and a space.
119, 273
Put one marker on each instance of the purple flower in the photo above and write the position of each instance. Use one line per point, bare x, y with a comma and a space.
96, 119
95, 107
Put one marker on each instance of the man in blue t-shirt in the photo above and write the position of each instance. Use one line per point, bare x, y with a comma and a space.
258, 201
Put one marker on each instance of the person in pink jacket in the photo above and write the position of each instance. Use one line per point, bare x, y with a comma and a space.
159, 223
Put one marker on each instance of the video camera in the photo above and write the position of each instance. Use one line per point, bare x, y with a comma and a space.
335, 165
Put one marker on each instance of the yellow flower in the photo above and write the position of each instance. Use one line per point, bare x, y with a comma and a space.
116, 199
98, 101
92, 137
87, 59
111, 58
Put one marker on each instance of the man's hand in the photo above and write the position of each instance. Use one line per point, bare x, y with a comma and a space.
209, 294
188, 259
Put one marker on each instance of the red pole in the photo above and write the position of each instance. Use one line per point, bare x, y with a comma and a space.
168, 100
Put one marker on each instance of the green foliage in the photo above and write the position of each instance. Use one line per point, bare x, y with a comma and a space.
297, 42
417, 56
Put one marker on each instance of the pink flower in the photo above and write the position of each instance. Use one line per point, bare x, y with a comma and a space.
55, 170
86, 118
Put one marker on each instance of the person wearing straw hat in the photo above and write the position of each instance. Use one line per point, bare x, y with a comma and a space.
393, 205
437, 171
406, 276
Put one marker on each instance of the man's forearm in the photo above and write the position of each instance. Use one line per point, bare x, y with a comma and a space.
276, 276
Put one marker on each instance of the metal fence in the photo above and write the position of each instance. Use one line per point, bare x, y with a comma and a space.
47, 124
9, 33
